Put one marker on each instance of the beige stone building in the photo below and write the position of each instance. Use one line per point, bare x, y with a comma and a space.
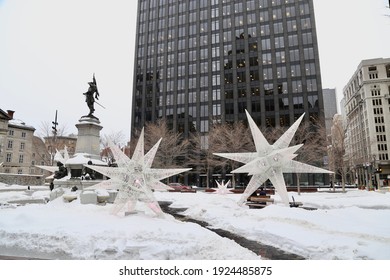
20, 151
367, 108
59, 143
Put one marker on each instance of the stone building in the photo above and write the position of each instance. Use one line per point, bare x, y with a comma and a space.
20, 151
367, 107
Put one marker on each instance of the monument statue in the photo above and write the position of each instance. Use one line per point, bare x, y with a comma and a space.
90, 98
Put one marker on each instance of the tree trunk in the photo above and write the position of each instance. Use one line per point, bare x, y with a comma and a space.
343, 180
298, 183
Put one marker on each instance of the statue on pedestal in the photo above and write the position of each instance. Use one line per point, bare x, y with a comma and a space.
90, 98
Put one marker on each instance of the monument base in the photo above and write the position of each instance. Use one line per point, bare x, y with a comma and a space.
88, 137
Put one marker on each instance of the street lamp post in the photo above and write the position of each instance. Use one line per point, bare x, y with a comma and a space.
366, 165
54, 127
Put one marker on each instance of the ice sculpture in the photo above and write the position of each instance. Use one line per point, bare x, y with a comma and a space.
222, 187
134, 178
270, 161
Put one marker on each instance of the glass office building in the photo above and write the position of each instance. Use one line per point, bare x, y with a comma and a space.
204, 61
199, 62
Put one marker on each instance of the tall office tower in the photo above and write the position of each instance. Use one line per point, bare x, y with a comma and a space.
200, 62
330, 107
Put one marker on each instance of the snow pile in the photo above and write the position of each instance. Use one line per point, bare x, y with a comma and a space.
352, 225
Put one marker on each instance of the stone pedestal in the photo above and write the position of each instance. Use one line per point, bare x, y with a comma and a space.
87, 151
88, 140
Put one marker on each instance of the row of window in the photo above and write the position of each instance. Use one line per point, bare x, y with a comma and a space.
192, 4
8, 158
279, 42
12, 133
11, 144
358, 80
153, 12
253, 31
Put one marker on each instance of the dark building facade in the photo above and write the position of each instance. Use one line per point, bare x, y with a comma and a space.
198, 62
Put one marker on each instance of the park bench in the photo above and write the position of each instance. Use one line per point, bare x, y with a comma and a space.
303, 189
259, 201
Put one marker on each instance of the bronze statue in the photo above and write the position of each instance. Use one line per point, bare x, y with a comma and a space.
89, 96
61, 172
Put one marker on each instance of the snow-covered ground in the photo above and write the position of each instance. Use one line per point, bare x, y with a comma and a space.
352, 225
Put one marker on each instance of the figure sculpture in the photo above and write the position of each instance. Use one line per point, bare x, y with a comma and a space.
61, 172
89, 96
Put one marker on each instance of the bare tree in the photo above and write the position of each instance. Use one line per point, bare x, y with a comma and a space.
201, 157
337, 150
312, 135
173, 149
232, 138
45, 130
47, 133
117, 138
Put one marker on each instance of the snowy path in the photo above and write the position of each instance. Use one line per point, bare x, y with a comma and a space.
265, 251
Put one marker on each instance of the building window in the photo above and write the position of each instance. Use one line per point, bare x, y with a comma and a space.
388, 70
22, 145
305, 23
11, 133
377, 102
313, 101
373, 75
278, 27
10, 144
293, 40
294, 55
296, 86
23, 134
292, 26
304, 9
21, 157
277, 14
311, 85
372, 72
290, 11
204, 126
310, 69
265, 30
263, 3
20, 171
8, 157
295, 70
280, 57
264, 16
308, 53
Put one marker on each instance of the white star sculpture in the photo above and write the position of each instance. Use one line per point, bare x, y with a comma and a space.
57, 157
134, 178
62, 158
270, 161
222, 187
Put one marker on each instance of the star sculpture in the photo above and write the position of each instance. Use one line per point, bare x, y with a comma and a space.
57, 157
222, 187
270, 161
62, 158
134, 178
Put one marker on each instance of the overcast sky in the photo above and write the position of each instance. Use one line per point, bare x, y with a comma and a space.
49, 50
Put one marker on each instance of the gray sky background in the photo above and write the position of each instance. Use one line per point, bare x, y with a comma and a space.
49, 50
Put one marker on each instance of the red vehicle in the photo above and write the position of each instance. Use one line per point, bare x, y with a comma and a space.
179, 186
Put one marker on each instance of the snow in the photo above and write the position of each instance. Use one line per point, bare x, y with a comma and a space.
348, 226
